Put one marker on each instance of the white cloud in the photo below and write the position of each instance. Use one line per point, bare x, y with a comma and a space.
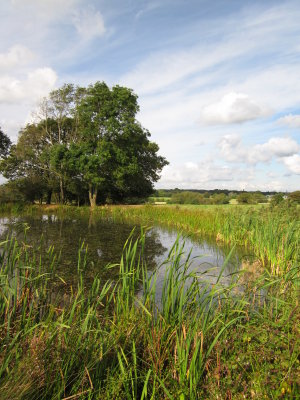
191, 165
291, 120
211, 176
263, 186
277, 86
249, 55
274, 147
36, 84
16, 56
163, 69
193, 174
89, 23
46, 9
53, 19
280, 148
232, 149
293, 163
148, 8
40, 82
231, 109
159, 71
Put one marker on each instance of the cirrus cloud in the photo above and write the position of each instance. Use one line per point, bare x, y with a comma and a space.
89, 23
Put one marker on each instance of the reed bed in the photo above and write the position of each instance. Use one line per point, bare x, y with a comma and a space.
118, 340
272, 234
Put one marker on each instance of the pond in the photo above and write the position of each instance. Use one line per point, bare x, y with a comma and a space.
104, 240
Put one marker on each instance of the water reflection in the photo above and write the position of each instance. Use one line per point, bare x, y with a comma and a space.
105, 240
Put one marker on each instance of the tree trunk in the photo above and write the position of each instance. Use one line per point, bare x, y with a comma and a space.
62, 197
92, 196
49, 195
91, 220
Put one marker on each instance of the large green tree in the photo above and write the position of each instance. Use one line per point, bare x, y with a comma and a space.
87, 140
114, 153
39, 153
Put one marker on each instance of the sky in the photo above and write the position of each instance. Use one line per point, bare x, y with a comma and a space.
218, 81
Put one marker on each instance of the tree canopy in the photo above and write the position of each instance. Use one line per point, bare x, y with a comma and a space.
295, 196
5, 144
86, 144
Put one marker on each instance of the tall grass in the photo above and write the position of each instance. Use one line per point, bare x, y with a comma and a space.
272, 234
121, 340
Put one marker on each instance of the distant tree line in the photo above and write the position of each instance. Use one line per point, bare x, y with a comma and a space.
208, 192
178, 196
188, 197
85, 146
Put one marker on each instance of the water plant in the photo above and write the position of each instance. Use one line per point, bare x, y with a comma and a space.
117, 339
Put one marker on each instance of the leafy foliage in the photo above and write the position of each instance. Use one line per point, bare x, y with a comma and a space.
295, 196
5, 144
189, 197
87, 144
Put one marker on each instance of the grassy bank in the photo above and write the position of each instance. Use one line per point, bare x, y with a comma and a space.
273, 234
111, 342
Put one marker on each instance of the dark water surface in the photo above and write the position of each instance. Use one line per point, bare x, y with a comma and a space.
105, 239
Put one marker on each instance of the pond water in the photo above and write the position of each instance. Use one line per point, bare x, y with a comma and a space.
105, 239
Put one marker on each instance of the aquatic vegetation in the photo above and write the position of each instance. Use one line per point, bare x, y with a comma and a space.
272, 234
116, 339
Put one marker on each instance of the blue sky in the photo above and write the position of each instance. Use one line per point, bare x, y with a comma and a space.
218, 81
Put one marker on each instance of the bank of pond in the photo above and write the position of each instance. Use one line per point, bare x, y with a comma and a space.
149, 303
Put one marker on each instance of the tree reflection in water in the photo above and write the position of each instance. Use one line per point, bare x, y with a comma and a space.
104, 241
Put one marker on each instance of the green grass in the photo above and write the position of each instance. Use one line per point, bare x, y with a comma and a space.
110, 341
273, 235
196, 341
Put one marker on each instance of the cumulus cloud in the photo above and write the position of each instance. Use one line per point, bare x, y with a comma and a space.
36, 84
89, 23
41, 81
291, 120
283, 147
193, 174
293, 163
231, 109
233, 150
16, 56
274, 147
209, 175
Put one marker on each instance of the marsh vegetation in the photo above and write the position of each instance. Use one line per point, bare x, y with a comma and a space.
140, 334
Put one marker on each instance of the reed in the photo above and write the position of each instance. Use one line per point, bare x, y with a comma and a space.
272, 234
121, 339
